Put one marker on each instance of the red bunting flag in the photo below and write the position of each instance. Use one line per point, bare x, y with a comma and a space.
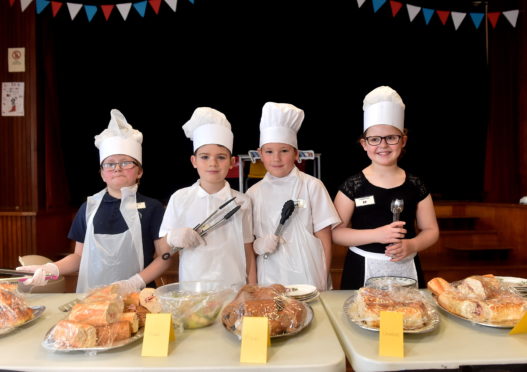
493, 18
443, 15
107, 10
155, 4
396, 6
55, 7
11, 2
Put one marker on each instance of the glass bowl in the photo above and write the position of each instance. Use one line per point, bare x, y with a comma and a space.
389, 282
193, 304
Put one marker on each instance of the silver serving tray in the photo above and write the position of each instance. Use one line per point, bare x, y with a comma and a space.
352, 316
472, 321
37, 312
307, 321
49, 344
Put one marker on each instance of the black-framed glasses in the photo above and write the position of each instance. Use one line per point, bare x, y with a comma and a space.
127, 164
392, 139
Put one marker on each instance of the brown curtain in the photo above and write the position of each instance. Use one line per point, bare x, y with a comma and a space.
506, 158
54, 192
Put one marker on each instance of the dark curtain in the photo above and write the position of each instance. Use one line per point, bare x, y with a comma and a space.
505, 163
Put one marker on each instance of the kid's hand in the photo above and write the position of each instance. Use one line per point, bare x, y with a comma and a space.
391, 233
266, 244
184, 237
400, 250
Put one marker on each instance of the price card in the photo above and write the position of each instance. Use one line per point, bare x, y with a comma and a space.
158, 334
255, 339
391, 336
520, 327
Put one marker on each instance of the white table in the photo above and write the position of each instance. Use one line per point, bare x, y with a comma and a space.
454, 343
212, 348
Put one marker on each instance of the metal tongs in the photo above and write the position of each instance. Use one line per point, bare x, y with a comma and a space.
287, 211
20, 276
203, 228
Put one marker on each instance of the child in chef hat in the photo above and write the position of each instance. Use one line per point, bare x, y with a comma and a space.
116, 229
302, 254
225, 253
380, 246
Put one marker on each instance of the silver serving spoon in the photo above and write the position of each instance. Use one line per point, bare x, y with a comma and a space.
396, 208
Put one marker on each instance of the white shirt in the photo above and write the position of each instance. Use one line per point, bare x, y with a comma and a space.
223, 257
299, 259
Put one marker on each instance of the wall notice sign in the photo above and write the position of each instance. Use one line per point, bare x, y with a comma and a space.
12, 99
16, 59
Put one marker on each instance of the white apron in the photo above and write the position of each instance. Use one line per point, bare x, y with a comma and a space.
299, 258
378, 264
223, 256
108, 258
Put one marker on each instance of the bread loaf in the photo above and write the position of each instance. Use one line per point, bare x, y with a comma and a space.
96, 313
111, 333
13, 310
285, 315
69, 334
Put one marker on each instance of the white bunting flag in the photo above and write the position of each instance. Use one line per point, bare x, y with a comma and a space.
412, 11
172, 4
24, 4
457, 18
360, 2
124, 9
512, 16
73, 9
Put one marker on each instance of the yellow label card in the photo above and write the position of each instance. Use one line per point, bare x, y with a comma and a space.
255, 339
158, 333
391, 337
520, 327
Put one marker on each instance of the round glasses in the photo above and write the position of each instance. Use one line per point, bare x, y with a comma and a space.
392, 139
128, 164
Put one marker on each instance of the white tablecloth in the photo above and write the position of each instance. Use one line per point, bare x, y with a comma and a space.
454, 343
211, 348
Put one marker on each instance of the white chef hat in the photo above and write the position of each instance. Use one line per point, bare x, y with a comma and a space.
279, 123
119, 138
383, 105
208, 126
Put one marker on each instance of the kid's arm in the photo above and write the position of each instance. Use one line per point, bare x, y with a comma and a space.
250, 263
344, 234
71, 262
158, 266
325, 237
426, 224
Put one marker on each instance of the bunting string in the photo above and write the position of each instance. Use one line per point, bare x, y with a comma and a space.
457, 17
396, 6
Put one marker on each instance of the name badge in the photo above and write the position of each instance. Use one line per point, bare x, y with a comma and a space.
367, 200
141, 205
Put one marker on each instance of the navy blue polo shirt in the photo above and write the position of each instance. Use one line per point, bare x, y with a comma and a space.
109, 220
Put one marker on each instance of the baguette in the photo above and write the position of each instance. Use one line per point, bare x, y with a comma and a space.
68, 334
131, 318
109, 334
438, 286
96, 313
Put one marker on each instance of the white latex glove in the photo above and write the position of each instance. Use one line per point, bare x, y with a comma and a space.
39, 273
184, 237
134, 284
266, 244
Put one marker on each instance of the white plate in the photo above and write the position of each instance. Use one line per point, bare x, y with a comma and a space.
37, 312
513, 280
48, 344
296, 290
351, 314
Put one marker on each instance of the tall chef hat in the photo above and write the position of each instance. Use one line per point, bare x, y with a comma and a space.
208, 126
383, 105
119, 138
279, 123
